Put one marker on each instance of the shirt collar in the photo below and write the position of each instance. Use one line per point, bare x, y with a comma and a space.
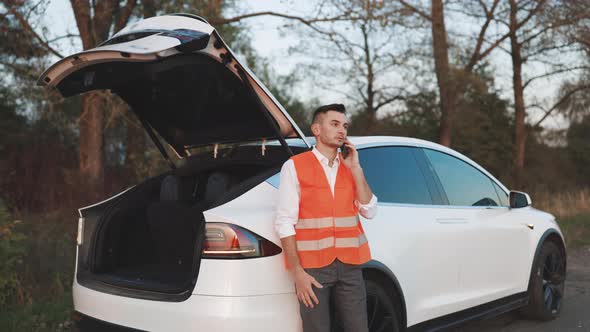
323, 159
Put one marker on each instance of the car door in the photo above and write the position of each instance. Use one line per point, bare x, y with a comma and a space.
491, 250
405, 234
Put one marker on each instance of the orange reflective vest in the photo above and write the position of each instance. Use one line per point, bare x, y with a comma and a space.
328, 226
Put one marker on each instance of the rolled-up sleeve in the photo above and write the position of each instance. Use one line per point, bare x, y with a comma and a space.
368, 210
288, 203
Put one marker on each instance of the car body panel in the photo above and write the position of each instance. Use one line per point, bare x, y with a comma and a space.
267, 313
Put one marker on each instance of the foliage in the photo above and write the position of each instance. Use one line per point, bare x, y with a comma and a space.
39, 316
47, 252
12, 251
482, 128
578, 148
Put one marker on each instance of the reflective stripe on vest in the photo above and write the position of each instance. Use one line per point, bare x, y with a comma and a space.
328, 227
347, 242
327, 222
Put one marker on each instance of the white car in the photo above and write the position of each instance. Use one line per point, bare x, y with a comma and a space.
194, 249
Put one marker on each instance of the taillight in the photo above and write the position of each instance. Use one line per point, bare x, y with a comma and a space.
232, 241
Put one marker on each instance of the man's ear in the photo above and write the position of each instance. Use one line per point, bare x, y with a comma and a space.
315, 129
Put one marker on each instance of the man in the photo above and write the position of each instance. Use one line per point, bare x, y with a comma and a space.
320, 196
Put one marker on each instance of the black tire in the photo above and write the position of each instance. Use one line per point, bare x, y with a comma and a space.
547, 284
382, 309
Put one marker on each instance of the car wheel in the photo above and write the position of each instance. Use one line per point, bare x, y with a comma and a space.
381, 311
547, 283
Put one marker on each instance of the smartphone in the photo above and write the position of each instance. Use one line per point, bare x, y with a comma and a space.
344, 149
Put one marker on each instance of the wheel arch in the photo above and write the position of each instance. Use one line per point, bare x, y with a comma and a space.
549, 235
383, 274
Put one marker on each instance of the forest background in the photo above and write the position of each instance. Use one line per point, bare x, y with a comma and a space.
504, 82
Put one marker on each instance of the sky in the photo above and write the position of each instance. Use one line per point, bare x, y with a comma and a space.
270, 43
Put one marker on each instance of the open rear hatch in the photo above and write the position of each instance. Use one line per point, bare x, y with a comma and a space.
185, 84
181, 80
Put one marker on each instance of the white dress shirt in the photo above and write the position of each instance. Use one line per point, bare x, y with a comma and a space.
289, 194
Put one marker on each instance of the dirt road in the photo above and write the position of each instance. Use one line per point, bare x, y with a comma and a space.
575, 313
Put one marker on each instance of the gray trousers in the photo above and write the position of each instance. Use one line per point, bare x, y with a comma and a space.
344, 287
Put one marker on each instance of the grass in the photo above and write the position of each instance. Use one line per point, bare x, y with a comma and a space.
49, 315
43, 299
572, 211
576, 230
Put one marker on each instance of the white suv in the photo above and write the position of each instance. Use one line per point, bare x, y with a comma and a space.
194, 249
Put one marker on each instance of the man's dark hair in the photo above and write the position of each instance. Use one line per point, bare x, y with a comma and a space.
326, 108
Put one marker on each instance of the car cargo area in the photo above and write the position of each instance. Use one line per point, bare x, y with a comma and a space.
150, 238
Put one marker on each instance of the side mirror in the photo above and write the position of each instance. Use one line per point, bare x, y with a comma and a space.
518, 199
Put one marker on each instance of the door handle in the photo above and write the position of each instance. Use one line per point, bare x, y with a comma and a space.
451, 220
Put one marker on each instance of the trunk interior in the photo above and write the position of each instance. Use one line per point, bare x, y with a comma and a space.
150, 238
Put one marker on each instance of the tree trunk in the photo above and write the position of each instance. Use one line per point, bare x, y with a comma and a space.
149, 8
91, 146
370, 99
519, 107
94, 20
443, 75
134, 149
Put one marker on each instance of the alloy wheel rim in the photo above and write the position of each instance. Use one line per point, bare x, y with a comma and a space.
553, 282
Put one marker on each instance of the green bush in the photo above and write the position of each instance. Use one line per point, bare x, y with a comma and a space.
12, 251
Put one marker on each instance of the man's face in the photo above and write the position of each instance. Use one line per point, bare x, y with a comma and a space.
331, 129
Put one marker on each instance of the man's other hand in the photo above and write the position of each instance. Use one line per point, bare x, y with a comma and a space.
303, 288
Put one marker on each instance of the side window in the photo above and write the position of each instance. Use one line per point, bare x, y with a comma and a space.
463, 183
394, 176
504, 200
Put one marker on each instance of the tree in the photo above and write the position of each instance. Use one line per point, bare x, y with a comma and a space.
535, 37
578, 138
360, 55
448, 88
484, 127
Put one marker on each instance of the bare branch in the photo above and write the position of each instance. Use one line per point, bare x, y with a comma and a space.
475, 57
531, 14
124, 17
69, 35
485, 7
532, 55
560, 102
559, 71
519, 25
416, 10
308, 22
388, 101
23, 22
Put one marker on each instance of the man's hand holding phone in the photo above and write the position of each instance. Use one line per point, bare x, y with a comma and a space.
350, 156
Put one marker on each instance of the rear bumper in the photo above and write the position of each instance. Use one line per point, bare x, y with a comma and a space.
279, 312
